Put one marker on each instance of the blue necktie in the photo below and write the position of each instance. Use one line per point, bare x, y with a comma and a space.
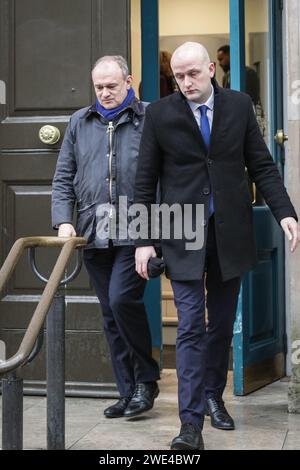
205, 131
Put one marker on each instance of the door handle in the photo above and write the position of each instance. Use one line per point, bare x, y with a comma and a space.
280, 137
49, 134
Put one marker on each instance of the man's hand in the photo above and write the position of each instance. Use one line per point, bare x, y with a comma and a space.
66, 230
142, 256
291, 229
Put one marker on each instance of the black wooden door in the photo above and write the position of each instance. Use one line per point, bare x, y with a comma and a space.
47, 51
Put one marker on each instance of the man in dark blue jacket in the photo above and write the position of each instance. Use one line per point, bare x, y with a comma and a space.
96, 169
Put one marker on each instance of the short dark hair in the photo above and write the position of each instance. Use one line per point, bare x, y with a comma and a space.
225, 49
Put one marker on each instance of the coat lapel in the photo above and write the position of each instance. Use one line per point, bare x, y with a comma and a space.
218, 124
191, 122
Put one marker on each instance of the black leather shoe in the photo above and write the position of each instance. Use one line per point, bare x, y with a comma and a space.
117, 410
189, 439
219, 416
142, 399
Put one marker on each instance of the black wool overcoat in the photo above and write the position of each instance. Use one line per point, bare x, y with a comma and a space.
172, 152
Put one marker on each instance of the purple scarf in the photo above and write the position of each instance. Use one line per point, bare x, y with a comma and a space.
110, 114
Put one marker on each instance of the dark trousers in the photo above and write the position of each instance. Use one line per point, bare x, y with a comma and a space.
202, 351
120, 291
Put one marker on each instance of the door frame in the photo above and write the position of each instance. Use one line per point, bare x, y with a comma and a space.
150, 92
150, 77
258, 372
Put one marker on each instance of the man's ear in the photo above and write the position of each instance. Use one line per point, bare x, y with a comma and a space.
212, 69
129, 81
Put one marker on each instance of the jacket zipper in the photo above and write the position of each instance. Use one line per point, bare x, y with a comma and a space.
110, 130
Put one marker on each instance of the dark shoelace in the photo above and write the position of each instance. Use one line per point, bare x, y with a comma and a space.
138, 392
217, 404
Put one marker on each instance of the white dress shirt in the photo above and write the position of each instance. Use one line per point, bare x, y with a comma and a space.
210, 111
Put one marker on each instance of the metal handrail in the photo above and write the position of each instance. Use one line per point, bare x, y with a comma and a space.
68, 245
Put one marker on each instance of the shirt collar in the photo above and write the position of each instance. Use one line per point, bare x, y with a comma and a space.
209, 103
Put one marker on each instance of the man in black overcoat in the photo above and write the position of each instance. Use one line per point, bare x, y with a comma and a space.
197, 144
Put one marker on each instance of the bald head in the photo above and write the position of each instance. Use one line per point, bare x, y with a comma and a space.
190, 50
193, 71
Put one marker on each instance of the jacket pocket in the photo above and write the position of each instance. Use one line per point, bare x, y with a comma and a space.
85, 225
85, 207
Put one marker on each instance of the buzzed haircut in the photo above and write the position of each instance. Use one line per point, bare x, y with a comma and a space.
225, 49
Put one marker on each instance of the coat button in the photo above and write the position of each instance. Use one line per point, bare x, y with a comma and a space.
204, 223
206, 191
106, 179
209, 161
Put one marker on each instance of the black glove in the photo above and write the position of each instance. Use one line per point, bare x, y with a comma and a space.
155, 267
